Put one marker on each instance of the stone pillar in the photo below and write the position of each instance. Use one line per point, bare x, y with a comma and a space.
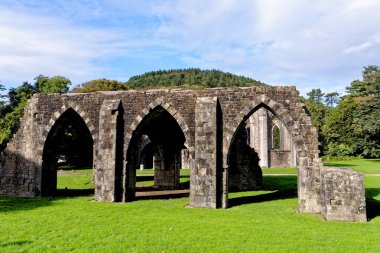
108, 163
309, 188
204, 185
185, 158
167, 169
263, 136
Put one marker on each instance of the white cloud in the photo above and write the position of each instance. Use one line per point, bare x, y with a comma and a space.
291, 41
324, 43
32, 44
372, 41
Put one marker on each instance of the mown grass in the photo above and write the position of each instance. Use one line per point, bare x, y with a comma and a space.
258, 221
290, 170
73, 178
367, 166
266, 222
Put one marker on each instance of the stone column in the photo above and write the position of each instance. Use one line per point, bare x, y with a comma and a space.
108, 182
263, 137
204, 185
167, 169
252, 129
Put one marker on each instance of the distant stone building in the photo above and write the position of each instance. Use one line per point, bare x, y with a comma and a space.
261, 127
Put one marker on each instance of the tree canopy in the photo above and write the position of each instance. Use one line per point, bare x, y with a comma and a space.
353, 127
2, 96
12, 104
192, 77
100, 85
179, 78
55, 84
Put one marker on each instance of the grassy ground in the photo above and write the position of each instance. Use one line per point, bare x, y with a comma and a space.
258, 221
367, 166
280, 171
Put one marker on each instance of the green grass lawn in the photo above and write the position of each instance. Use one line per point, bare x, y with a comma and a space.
258, 221
291, 170
75, 179
367, 166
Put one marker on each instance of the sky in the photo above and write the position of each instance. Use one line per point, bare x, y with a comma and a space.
308, 44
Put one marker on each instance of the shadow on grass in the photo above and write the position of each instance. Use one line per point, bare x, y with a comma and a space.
373, 205
284, 187
18, 243
11, 204
339, 165
153, 192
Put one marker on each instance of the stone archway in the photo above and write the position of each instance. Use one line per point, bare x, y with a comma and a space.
283, 115
307, 157
69, 139
164, 128
160, 101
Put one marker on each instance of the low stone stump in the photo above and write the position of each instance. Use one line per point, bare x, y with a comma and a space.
343, 195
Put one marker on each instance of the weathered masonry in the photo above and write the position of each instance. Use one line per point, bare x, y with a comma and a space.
226, 134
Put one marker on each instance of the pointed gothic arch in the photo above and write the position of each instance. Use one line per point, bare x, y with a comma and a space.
278, 110
56, 145
169, 135
160, 101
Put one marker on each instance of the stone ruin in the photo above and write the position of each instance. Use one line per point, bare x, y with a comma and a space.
224, 135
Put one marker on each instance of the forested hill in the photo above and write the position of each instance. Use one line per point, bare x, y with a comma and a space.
188, 78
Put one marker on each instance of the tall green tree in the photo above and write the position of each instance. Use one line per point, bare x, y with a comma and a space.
315, 95
55, 84
12, 110
353, 127
100, 84
2, 96
331, 98
317, 110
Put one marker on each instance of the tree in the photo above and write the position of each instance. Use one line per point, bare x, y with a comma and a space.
331, 98
315, 95
192, 77
55, 84
2, 96
317, 112
369, 86
17, 98
100, 84
353, 127
20, 94
337, 129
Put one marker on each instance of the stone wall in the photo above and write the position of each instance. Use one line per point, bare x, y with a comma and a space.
244, 170
343, 194
280, 158
207, 119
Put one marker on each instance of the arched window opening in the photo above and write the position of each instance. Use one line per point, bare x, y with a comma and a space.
276, 137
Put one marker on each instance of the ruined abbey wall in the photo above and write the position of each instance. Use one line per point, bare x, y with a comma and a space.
208, 121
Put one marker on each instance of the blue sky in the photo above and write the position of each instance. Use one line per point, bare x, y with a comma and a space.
310, 44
